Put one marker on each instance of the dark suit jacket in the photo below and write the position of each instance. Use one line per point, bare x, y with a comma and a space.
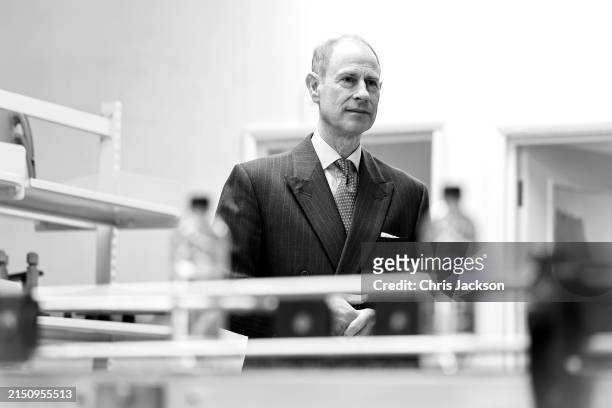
284, 220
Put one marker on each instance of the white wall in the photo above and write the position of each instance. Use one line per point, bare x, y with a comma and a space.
502, 61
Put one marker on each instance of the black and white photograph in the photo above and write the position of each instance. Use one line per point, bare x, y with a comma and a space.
305, 203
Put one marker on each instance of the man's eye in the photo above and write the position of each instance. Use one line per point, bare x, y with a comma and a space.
372, 84
348, 80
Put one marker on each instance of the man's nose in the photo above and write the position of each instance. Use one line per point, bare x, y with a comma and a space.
361, 92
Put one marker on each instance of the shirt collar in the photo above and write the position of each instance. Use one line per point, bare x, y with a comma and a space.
327, 155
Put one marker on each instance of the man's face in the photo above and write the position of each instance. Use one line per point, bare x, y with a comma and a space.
349, 92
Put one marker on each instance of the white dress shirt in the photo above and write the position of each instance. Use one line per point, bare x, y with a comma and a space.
327, 156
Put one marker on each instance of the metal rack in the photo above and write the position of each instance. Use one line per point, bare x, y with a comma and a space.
57, 206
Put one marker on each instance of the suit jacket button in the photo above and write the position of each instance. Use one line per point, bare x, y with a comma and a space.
304, 272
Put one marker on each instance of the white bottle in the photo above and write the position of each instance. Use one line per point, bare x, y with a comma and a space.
200, 251
200, 247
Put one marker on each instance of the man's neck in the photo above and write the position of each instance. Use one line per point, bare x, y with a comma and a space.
343, 144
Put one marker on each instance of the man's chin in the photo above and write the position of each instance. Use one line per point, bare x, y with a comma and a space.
357, 128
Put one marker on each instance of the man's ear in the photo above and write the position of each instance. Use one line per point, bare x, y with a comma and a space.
313, 81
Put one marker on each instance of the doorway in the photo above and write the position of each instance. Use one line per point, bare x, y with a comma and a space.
559, 185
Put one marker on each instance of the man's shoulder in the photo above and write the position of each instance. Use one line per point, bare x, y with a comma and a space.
278, 162
267, 163
268, 170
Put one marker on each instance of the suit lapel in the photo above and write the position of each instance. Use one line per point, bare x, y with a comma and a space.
310, 188
373, 198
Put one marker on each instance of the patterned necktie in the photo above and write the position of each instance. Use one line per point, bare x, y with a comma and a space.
346, 191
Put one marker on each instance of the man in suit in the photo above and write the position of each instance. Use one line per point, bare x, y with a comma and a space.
307, 211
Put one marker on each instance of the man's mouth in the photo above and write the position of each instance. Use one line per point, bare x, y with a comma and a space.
357, 110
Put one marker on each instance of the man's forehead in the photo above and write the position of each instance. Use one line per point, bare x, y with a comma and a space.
353, 54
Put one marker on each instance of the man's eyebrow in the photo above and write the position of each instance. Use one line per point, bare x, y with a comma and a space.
354, 73
348, 72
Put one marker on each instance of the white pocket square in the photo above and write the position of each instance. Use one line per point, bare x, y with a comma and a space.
385, 235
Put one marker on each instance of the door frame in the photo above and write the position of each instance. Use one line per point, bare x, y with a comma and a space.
532, 135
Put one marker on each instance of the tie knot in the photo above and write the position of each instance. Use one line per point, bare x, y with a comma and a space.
346, 166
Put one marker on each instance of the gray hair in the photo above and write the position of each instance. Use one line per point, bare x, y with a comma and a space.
322, 53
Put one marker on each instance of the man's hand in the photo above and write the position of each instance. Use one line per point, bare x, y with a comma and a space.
347, 321
363, 324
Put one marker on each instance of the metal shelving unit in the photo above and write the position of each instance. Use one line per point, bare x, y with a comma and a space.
58, 206
62, 207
